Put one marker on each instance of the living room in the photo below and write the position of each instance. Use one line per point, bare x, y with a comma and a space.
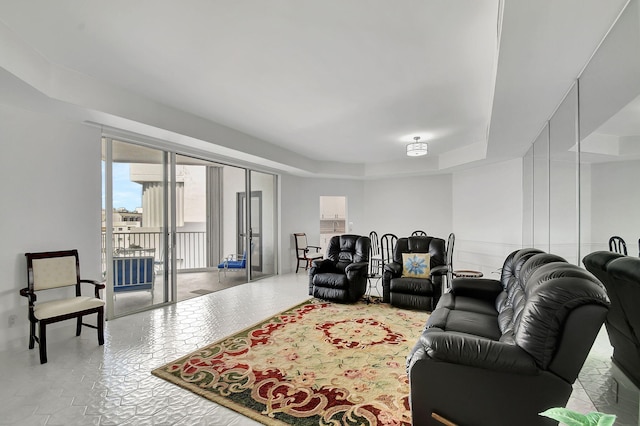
51, 135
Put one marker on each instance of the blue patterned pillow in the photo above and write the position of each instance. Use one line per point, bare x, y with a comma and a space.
416, 265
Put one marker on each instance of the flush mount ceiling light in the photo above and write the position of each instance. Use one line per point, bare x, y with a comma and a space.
416, 149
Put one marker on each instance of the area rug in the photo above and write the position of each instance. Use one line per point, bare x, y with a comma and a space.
318, 363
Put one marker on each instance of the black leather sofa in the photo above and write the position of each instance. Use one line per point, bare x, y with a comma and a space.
342, 275
411, 292
499, 352
621, 277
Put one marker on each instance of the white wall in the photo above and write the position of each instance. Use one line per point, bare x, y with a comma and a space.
403, 205
487, 215
51, 199
300, 211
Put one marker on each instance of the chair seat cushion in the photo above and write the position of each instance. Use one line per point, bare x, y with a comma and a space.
331, 280
421, 286
56, 308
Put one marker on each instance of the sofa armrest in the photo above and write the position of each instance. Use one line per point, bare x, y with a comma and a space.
394, 268
477, 288
439, 270
355, 269
472, 352
319, 266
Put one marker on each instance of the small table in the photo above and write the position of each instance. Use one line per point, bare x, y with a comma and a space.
372, 281
467, 273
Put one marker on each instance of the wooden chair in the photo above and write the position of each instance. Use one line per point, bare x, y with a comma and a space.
54, 270
617, 245
303, 251
418, 234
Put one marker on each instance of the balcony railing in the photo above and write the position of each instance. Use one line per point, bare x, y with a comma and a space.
191, 249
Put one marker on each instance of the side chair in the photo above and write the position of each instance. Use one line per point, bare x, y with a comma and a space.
305, 252
55, 270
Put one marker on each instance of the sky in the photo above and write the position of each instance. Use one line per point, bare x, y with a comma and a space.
126, 194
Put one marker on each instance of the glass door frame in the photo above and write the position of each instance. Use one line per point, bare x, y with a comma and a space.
168, 233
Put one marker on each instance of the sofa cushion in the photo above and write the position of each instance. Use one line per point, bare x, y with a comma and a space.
467, 322
416, 265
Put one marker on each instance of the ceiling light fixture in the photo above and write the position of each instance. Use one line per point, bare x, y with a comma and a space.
416, 149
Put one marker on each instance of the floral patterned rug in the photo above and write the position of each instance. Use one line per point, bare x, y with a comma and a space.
318, 363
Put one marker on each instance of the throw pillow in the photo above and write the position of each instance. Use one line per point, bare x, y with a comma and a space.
416, 265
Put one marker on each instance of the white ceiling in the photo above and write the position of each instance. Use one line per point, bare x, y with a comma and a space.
325, 81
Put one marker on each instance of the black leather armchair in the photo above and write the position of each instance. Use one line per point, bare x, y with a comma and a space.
342, 275
410, 292
621, 277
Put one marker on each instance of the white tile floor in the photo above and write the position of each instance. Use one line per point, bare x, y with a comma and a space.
85, 384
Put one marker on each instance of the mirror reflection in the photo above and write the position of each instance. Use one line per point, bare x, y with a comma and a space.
610, 172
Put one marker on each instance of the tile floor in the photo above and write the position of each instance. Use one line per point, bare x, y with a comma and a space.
84, 384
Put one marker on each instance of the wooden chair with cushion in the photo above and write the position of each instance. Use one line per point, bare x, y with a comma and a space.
305, 252
49, 271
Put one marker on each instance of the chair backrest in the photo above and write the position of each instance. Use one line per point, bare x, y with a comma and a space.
348, 248
420, 244
449, 257
301, 242
47, 270
387, 244
617, 245
418, 233
375, 243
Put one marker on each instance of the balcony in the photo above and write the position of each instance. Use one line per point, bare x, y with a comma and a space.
191, 249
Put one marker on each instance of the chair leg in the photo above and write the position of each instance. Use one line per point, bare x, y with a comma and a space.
32, 334
42, 343
101, 327
78, 325
297, 265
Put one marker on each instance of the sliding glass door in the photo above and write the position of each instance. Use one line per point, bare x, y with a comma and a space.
137, 217
262, 224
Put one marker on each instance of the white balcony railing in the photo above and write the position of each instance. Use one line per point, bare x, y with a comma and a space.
191, 250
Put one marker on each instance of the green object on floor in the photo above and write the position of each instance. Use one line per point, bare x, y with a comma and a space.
573, 418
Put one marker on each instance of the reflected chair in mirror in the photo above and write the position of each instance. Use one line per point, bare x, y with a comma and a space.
304, 252
342, 275
446, 270
418, 233
50, 273
617, 245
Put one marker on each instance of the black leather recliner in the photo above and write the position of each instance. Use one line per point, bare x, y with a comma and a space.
621, 277
499, 352
342, 275
409, 292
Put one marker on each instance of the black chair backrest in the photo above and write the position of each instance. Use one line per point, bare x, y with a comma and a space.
419, 244
387, 244
617, 245
418, 233
348, 248
449, 258
375, 243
